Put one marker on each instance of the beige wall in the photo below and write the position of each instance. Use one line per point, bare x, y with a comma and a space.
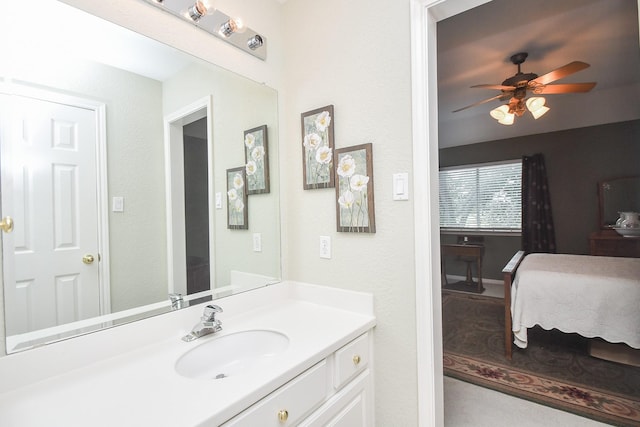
356, 55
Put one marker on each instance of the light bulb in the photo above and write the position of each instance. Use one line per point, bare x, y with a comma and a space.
539, 112
233, 25
255, 42
507, 120
535, 103
201, 8
500, 113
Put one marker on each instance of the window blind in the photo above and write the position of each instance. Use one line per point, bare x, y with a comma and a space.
482, 197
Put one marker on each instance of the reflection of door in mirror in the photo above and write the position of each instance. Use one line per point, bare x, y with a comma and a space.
196, 202
50, 186
189, 176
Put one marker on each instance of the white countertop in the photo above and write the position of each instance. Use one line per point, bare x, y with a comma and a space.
140, 387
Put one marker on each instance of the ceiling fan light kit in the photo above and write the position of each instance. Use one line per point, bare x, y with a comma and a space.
515, 90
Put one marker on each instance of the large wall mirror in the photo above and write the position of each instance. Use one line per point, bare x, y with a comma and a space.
114, 157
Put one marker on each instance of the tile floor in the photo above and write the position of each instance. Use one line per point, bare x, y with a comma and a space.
468, 405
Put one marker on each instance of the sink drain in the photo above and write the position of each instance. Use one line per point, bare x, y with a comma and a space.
219, 376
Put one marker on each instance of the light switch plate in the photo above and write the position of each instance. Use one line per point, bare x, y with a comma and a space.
257, 242
118, 204
401, 186
325, 247
218, 200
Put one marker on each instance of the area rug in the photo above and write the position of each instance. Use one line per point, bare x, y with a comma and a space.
554, 370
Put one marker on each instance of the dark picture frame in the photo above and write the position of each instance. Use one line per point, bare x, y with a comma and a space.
237, 207
256, 157
355, 208
318, 167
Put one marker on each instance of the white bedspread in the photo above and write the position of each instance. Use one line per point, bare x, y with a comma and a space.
592, 296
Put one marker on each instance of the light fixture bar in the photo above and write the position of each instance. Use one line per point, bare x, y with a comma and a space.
248, 41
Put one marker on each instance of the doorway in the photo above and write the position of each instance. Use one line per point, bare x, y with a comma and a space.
189, 192
196, 201
54, 187
424, 17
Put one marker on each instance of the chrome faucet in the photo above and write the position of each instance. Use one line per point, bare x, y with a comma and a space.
177, 302
207, 324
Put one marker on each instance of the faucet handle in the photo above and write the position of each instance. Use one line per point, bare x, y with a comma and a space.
210, 311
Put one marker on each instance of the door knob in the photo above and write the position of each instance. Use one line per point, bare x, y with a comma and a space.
88, 259
6, 224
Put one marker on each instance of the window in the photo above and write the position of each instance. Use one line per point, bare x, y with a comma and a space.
483, 197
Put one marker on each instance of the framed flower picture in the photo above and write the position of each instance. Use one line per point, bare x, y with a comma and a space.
256, 160
317, 148
354, 189
237, 217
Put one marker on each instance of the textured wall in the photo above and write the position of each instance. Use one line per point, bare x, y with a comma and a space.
355, 55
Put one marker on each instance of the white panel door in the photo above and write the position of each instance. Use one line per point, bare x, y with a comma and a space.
49, 187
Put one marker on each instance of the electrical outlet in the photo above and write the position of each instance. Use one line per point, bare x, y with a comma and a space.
325, 247
257, 242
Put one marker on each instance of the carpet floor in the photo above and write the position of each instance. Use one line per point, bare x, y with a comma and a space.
555, 369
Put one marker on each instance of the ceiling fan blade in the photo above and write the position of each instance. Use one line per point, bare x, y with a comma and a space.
558, 73
567, 88
480, 102
498, 87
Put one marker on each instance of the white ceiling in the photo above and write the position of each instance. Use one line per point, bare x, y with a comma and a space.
475, 47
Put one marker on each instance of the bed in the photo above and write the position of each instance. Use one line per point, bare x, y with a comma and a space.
593, 296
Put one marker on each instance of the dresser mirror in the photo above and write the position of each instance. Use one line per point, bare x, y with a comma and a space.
617, 195
102, 237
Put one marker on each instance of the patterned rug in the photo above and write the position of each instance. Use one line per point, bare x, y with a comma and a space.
554, 370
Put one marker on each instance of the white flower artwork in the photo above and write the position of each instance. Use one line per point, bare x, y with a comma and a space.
237, 217
256, 160
317, 152
354, 189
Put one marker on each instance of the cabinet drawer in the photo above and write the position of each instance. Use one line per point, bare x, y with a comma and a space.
350, 360
296, 398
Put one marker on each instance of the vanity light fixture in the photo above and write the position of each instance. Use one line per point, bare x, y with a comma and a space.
204, 15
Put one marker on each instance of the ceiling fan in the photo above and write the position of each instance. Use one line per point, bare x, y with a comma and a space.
515, 90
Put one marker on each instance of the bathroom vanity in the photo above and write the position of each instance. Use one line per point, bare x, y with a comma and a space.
315, 369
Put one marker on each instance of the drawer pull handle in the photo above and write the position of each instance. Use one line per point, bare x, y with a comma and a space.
283, 415
356, 360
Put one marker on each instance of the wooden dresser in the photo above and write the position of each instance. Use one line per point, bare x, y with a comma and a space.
610, 243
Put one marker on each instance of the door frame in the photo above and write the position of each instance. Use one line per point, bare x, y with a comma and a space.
99, 112
175, 201
425, 15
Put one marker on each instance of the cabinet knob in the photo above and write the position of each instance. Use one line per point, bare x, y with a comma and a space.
356, 360
283, 415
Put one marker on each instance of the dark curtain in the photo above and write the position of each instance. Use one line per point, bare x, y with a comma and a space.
538, 233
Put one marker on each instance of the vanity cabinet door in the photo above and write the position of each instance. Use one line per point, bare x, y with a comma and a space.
289, 404
350, 407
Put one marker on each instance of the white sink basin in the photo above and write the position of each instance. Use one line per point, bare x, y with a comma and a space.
233, 354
